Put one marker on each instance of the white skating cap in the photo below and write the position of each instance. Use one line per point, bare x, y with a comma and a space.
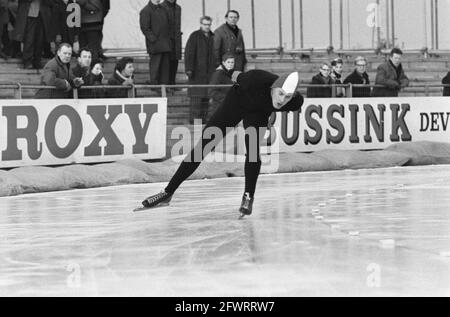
288, 82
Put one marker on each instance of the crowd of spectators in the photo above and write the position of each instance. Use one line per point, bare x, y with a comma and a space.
33, 29
61, 29
390, 79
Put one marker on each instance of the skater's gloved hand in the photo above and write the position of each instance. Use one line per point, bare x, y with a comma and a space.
189, 73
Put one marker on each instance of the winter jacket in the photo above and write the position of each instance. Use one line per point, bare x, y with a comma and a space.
57, 74
199, 57
93, 13
225, 41
320, 92
45, 11
220, 77
356, 79
155, 25
391, 78
174, 11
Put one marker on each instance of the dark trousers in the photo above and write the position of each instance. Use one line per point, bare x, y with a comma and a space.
229, 114
33, 41
3, 36
173, 71
93, 40
160, 69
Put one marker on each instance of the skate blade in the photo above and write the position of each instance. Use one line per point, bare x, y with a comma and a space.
243, 215
139, 209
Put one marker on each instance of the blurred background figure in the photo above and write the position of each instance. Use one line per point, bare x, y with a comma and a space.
175, 37
34, 28
155, 25
93, 13
199, 66
4, 20
222, 76
67, 17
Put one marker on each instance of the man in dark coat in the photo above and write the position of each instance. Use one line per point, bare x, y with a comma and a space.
93, 13
175, 37
359, 77
256, 95
67, 32
57, 73
83, 70
228, 38
33, 28
323, 78
391, 76
4, 20
446, 81
199, 65
155, 25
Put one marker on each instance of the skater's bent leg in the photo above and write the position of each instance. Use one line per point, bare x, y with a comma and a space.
253, 131
222, 119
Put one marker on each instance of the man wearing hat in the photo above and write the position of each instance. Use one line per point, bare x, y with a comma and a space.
254, 97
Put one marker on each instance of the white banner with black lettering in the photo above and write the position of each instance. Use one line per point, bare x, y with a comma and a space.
53, 132
361, 123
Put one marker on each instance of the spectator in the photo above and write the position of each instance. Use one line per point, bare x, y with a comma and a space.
93, 13
391, 75
122, 76
359, 77
13, 47
446, 81
175, 37
57, 73
155, 25
96, 75
67, 31
34, 28
222, 76
199, 66
83, 67
228, 39
83, 70
4, 20
94, 78
323, 78
336, 74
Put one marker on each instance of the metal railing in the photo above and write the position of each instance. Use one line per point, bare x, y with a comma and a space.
18, 88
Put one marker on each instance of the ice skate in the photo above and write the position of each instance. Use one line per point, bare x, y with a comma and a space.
246, 206
159, 200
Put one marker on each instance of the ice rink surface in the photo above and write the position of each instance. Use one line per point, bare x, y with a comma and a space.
363, 233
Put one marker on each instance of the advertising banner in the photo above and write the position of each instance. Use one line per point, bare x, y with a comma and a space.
54, 132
